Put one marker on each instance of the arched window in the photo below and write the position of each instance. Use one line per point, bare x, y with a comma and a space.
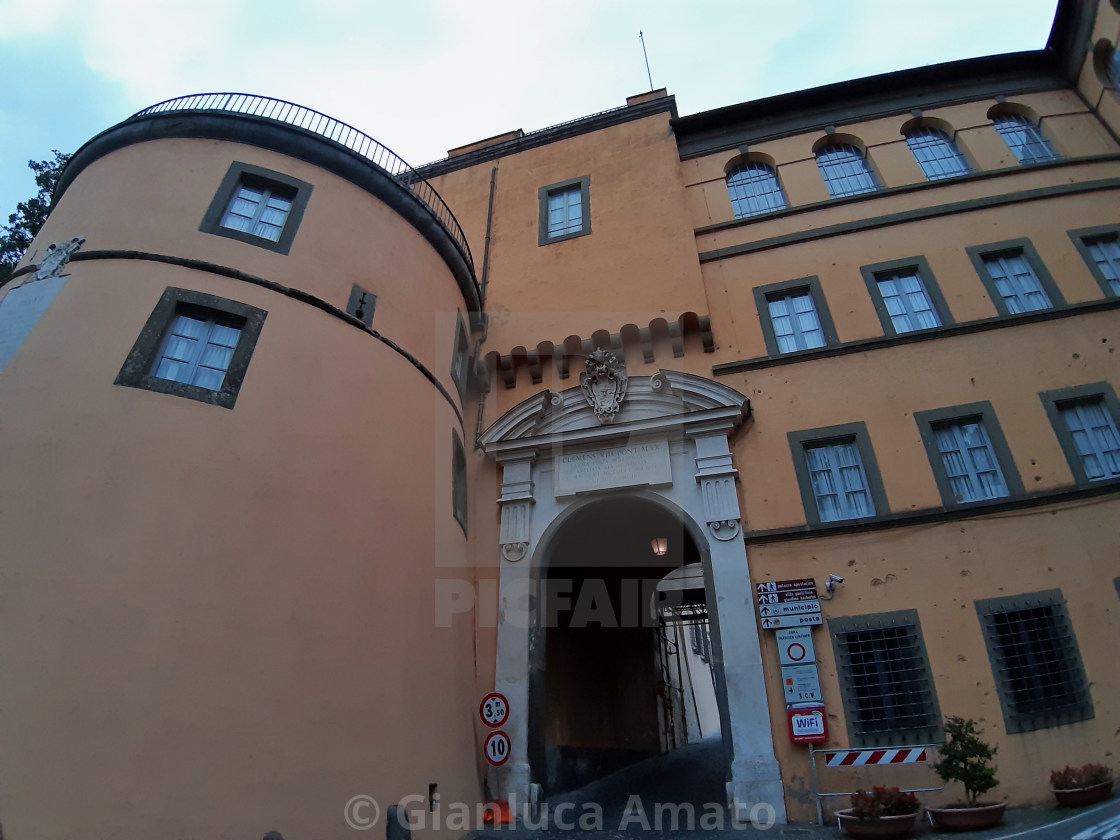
845, 170
936, 153
754, 189
1023, 137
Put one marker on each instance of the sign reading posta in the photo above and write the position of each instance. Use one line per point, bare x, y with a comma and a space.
807, 724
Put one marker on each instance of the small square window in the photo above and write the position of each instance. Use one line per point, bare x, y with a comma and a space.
906, 296
257, 206
969, 455
1016, 279
1035, 661
885, 679
565, 211
1100, 248
794, 316
1085, 421
196, 346
837, 473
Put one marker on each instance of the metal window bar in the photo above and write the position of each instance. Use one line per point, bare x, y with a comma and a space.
1034, 652
845, 170
887, 753
1023, 138
936, 153
1106, 254
754, 189
888, 685
340, 133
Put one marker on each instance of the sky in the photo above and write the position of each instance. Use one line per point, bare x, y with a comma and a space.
425, 76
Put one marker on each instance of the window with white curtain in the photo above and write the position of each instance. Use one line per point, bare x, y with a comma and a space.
565, 212
197, 351
1095, 437
1016, 282
907, 301
936, 153
754, 189
258, 211
1023, 138
969, 461
845, 170
839, 481
1105, 253
794, 319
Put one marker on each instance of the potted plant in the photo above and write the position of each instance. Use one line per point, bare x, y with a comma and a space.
1077, 786
884, 812
967, 758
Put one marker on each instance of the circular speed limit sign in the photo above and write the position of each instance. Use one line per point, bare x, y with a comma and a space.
494, 709
496, 748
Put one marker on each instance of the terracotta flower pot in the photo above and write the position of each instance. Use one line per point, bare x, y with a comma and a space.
900, 825
1078, 797
968, 819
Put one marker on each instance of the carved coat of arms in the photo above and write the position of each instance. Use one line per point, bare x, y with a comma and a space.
604, 384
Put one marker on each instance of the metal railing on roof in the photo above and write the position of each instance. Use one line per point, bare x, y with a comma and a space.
331, 129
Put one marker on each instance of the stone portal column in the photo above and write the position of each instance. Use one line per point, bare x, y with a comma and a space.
754, 773
516, 584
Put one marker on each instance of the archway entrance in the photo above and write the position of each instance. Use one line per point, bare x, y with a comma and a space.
618, 678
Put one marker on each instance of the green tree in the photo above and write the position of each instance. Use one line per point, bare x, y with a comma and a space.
16, 235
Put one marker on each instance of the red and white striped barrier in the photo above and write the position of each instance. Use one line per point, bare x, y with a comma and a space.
863, 758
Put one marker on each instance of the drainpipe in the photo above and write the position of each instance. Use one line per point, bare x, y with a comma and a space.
482, 295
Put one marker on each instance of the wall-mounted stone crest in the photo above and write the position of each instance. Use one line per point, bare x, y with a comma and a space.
604, 384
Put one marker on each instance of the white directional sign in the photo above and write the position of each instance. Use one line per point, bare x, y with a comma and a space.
782, 621
785, 585
794, 608
795, 646
801, 684
788, 595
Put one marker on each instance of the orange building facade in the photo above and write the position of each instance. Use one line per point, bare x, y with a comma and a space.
306, 451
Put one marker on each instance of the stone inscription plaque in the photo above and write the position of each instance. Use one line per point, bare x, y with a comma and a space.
631, 465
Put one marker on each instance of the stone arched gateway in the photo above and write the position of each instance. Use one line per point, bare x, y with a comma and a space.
663, 438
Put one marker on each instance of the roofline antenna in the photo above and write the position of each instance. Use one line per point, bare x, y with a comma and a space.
646, 57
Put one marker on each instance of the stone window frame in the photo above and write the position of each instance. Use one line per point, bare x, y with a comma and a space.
246, 174
459, 481
920, 266
855, 433
583, 183
812, 285
984, 411
1020, 721
1052, 402
858, 735
136, 372
1026, 249
1078, 238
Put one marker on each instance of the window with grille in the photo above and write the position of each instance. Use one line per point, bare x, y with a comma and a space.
907, 301
793, 317
936, 153
839, 482
885, 679
564, 210
968, 453
845, 170
754, 189
1023, 138
194, 345
257, 206
1035, 661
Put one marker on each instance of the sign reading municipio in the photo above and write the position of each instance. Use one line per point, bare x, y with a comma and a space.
645, 462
